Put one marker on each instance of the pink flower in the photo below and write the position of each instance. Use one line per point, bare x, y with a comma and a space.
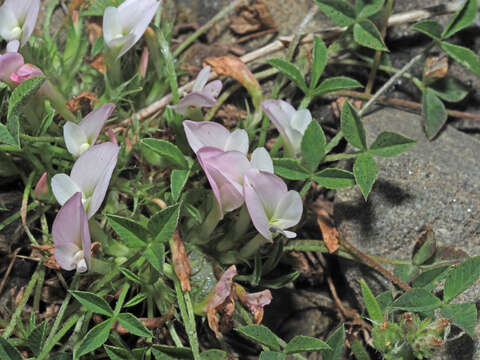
271, 206
123, 26
41, 189
202, 95
225, 172
17, 21
290, 123
79, 137
9, 63
71, 236
25, 72
206, 133
90, 176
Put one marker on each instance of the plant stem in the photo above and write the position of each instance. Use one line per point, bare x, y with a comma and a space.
48, 139
121, 298
334, 142
338, 157
22, 303
394, 78
253, 246
15, 216
378, 53
306, 187
201, 234
170, 61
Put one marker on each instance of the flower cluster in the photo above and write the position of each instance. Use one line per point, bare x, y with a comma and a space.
236, 180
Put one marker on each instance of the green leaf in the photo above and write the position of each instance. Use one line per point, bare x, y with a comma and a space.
163, 224
97, 7
290, 169
431, 28
384, 300
359, 351
36, 339
352, 127
462, 315
260, 334
434, 113
8, 352
425, 248
367, 8
461, 277
449, 89
301, 343
155, 255
95, 338
464, 56
178, 179
313, 145
290, 70
430, 279
389, 144
405, 272
341, 12
272, 355
365, 171
47, 119
92, 302
280, 281
7, 138
168, 150
130, 232
117, 353
305, 245
337, 342
175, 352
319, 60
333, 178
366, 34
137, 299
335, 84
130, 275
462, 18
213, 354
133, 325
417, 299
374, 312
22, 94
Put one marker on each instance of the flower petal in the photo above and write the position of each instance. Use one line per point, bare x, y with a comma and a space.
75, 138
255, 205
201, 79
213, 88
92, 172
205, 133
93, 123
9, 63
33, 7
261, 160
112, 28
270, 189
289, 210
237, 140
63, 188
198, 99
135, 16
9, 26
222, 290
13, 46
280, 112
301, 120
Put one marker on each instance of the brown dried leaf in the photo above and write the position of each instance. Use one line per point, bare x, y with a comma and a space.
94, 31
436, 67
327, 226
337, 105
83, 102
252, 18
181, 264
99, 63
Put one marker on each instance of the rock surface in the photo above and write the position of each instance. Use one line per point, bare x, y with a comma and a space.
434, 183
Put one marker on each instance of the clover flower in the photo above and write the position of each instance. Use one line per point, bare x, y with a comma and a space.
80, 137
123, 26
90, 176
202, 94
71, 236
17, 21
225, 172
206, 133
14, 71
271, 206
290, 123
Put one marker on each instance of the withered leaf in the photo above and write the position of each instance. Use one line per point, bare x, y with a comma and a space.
181, 264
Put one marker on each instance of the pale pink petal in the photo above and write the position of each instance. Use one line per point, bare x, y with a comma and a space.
269, 188
289, 210
194, 99
222, 290
112, 28
75, 139
232, 165
205, 133
258, 300
9, 63
255, 206
92, 172
9, 26
86, 240
237, 140
33, 7
301, 120
261, 160
25, 72
63, 188
213, 88
201, 80
93, 123
13, 46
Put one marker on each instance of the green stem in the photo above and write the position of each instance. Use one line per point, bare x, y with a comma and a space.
38, 290
114, 69
23, 301
201, 234
253, 246
121, 299
58, 102
334, 142
155, 54
47, 139
305, 102
240, 227
306, 187
203, 29
277, 145
170, 61
338, 157
17, 215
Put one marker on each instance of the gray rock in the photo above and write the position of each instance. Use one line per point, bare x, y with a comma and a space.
434, 183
